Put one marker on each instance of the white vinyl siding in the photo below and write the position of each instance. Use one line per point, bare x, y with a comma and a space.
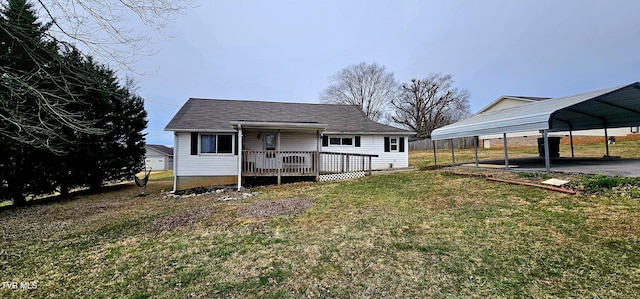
155, 160
289, 141
374, 145
226, 164
202, 165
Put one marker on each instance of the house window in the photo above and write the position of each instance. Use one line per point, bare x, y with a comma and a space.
216, 144
341, 141
270, 142
394, 144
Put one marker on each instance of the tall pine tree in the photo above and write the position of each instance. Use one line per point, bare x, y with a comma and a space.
23, 47
46, 86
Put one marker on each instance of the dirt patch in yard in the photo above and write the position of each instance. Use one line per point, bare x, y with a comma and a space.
276, 208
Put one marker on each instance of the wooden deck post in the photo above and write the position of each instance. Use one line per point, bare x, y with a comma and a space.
278, 159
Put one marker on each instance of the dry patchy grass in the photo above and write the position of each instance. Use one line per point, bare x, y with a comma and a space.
408, 234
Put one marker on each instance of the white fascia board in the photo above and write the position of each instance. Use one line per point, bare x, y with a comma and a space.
202, 131
279, 125
507, 125
368, 133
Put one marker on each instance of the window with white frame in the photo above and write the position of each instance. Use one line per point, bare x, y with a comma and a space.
216, 144
340, 140
393, 144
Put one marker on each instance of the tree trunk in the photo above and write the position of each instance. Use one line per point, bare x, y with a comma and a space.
18, 199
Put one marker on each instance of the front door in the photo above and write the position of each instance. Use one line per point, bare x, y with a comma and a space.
270, 144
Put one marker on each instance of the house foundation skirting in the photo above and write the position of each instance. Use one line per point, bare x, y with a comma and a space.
341, 176
188, 182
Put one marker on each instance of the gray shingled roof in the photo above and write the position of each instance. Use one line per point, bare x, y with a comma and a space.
217, 115
161, 148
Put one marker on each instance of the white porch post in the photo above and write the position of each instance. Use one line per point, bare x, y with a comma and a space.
175, 162
239, 145
317, 160
278, 158
547, 160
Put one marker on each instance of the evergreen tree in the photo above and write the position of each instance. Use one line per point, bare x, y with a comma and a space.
120, 114
34, 67
23, 45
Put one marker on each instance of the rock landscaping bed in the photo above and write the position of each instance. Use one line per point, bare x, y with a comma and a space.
224, 193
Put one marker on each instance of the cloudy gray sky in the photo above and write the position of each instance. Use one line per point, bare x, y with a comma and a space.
285, 50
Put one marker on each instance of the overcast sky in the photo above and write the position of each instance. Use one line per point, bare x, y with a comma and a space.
285, 50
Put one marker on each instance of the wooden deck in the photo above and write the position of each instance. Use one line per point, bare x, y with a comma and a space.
303, 163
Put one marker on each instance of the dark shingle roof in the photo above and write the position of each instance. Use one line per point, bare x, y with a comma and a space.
213, 115
161, 148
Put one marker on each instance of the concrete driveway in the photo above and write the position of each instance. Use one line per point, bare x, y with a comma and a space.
607, 166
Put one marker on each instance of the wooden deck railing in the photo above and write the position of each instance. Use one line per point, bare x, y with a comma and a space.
302, 163
279, 163
332, 162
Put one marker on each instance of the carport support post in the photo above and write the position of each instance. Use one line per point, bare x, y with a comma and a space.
506, 151
435, 160
453, 156
475, 148
571, 140
606, 140
547, 161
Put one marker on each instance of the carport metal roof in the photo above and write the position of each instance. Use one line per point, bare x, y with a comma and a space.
606, 108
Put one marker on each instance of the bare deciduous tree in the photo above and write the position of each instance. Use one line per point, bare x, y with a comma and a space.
424, 105
370, 86
37, 93
106, 28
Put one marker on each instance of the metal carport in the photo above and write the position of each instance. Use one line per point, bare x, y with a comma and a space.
601, 109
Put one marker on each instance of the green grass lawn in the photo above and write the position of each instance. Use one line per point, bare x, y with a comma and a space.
406, 234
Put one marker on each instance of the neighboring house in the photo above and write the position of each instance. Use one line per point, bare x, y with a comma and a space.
530, 138
279, 139
510, 101
158, 157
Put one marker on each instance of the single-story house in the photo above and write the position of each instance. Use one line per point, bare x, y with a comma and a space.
279, 139
158, 157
